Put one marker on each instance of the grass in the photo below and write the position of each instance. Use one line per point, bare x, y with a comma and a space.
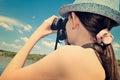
119, 62
11, 54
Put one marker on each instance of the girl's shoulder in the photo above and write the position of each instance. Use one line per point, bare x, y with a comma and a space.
82, 59
84, 55
74, 48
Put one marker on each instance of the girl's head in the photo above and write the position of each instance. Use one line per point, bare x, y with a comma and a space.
82, 27
94, 15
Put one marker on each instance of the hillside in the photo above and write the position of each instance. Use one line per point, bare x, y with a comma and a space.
34, 57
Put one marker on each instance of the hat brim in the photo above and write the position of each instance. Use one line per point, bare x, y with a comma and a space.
91, 8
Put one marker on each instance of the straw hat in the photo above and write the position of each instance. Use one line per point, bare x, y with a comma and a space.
108, 8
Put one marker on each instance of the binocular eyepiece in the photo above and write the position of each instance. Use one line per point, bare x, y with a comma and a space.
59, 24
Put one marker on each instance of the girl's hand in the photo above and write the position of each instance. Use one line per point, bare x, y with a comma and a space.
45, 28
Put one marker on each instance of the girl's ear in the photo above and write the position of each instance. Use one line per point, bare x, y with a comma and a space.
75, 20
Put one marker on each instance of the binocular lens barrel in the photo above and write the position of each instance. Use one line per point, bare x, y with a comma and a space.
59, 24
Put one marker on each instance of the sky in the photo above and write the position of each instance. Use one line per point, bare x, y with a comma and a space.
20, 18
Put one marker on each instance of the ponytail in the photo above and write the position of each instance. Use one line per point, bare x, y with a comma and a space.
109, 63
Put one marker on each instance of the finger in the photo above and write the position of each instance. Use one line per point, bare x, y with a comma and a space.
50, 20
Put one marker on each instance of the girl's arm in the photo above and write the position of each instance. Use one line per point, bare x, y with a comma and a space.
18, 61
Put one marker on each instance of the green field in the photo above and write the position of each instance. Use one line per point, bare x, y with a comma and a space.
34, 57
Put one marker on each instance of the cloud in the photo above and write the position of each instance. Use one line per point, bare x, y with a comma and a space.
28, 28
20, 31
25, 39
37, 47
48, 44
116, 46
10, 45
17, 40
10, 24
33, 17
22, 39
6, 26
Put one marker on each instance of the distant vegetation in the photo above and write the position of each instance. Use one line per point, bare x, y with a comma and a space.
119, 62
34, 57
11, 54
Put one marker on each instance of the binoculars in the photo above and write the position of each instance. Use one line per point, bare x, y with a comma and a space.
59, 24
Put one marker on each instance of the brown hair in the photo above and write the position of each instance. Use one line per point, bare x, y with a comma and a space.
95, 23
